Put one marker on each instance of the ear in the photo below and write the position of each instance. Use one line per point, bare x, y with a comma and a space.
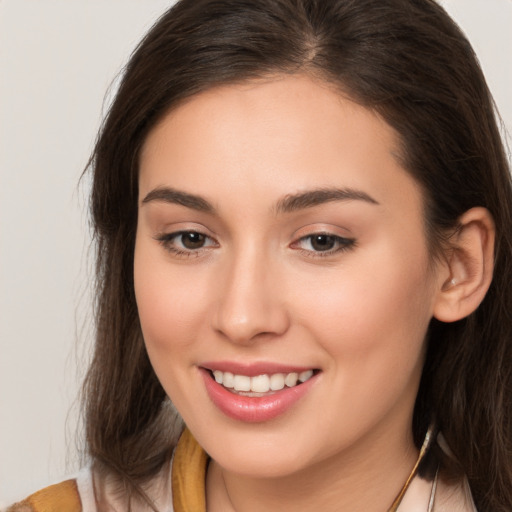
467, 274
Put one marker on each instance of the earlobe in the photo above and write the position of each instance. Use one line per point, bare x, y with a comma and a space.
469, 268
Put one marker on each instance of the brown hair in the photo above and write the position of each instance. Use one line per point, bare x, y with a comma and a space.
405, 59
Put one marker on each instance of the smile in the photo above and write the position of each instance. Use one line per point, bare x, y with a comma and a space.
265, 383
254, 393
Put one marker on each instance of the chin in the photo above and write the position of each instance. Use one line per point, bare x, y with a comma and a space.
262, 464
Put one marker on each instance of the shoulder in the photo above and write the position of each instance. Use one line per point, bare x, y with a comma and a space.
73, 495
58, 497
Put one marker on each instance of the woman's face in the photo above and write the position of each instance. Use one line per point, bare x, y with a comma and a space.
279, 239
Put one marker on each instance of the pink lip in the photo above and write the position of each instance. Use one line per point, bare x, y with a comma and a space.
254, 409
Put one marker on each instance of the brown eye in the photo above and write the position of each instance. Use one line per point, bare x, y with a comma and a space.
186, 243
323, 242
192, 240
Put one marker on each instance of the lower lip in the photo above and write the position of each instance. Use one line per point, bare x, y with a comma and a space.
254, 409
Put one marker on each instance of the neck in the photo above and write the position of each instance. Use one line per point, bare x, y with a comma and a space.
368, 477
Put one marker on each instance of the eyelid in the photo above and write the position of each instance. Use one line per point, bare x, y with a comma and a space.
322, 228
169, 229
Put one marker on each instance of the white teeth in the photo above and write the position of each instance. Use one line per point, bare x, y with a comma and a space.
277, 382
228, 380
261, 383
291, 379
242, 383
304, 376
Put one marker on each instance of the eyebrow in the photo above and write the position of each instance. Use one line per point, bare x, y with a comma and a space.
289, 203
173, 196
311, 198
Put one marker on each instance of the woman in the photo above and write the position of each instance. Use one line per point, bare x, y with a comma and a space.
299, 208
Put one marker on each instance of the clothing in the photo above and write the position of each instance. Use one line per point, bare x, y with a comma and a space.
63, 496
187, 490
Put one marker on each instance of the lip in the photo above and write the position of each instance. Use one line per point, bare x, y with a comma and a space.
254, 409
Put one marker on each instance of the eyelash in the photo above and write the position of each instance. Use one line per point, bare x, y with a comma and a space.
341, 245
168, 242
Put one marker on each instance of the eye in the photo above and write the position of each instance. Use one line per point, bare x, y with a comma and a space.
185, 243
323, 244
191, 240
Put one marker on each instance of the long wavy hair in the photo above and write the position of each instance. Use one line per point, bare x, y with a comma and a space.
409, 62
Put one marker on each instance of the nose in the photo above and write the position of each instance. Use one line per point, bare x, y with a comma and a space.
250, 301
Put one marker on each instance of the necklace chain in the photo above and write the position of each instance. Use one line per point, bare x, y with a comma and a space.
427, 442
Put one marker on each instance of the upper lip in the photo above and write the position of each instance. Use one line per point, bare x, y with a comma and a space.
255, 368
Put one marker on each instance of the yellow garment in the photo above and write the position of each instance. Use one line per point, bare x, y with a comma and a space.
56, 498
188, 485
189, 475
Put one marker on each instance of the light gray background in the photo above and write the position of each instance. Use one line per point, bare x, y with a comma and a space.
57, 59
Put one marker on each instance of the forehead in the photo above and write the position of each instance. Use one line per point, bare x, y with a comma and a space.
281, 135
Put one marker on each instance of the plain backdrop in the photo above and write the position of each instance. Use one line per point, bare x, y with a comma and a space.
57, 60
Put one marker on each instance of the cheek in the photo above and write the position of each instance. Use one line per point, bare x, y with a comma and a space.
169, 310
373, 330
372, 317
168, 304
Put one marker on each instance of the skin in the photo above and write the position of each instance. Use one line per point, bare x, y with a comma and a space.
258, 291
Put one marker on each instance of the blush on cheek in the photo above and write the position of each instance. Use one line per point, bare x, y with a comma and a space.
164, 319
163, 326
373, 315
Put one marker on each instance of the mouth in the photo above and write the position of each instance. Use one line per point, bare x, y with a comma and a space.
260, 385
249, 394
